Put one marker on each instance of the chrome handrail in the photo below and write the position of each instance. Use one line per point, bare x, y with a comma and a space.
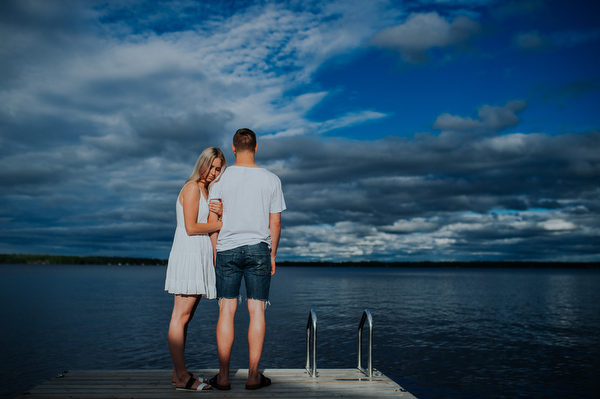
311, 326
366, 317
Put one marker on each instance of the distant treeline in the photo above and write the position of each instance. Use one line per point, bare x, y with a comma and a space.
76, 260
113, 260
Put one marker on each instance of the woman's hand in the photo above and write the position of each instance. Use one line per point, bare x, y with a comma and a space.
216, 206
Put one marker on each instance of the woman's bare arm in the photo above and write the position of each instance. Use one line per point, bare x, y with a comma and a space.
191, 198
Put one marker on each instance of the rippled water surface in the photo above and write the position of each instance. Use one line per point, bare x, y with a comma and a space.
440, 333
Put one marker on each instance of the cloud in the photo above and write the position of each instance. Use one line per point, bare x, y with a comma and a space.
424, 31
490, 119
531, 41
571, 90
132, 94
414, 199
534, 40
558, 225
236, 71
414, 225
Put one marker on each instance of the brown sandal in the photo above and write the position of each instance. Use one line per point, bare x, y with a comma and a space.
215, 384
264, 382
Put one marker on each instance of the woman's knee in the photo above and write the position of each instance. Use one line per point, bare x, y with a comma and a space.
182, 318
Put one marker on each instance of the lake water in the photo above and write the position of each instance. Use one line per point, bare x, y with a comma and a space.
440, 333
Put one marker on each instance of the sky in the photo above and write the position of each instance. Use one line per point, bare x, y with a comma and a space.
456, 130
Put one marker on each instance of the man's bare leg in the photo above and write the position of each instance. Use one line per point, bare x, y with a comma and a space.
225, 337
256, 338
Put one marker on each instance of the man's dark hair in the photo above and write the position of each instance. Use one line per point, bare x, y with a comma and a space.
244, 140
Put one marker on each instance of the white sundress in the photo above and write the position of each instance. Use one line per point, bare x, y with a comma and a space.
190, 270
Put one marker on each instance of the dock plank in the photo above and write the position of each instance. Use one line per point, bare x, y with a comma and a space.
150, 384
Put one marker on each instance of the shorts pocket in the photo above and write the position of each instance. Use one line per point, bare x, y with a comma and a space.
226, 265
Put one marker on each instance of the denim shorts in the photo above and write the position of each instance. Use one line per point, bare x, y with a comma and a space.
253, 262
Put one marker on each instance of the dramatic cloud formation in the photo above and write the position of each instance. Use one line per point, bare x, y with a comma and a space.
424, 152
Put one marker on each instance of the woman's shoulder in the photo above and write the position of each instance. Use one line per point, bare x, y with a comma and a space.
191, 185
190, 189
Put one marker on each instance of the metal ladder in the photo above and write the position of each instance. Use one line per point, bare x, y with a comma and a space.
311, 343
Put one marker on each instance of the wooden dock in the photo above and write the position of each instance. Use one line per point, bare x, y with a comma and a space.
156, 384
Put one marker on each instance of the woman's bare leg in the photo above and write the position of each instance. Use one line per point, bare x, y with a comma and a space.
183, 309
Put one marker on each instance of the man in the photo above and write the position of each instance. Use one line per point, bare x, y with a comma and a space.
246, 246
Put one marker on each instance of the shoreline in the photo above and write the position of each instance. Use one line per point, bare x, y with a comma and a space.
31, 259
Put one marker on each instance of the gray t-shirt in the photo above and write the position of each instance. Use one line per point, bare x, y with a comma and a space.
249, 195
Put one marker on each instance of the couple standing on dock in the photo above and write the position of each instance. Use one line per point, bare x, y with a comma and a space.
228, 227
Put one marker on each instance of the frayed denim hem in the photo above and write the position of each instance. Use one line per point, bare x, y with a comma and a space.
266, 301
239, 299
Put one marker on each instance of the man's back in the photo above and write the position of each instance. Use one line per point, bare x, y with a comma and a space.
249, 195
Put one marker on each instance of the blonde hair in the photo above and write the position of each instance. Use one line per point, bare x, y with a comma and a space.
204, 163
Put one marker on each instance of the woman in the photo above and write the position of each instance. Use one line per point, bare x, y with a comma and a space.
191, 274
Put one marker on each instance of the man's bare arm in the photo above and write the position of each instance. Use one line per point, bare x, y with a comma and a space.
275, 232
213, 217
